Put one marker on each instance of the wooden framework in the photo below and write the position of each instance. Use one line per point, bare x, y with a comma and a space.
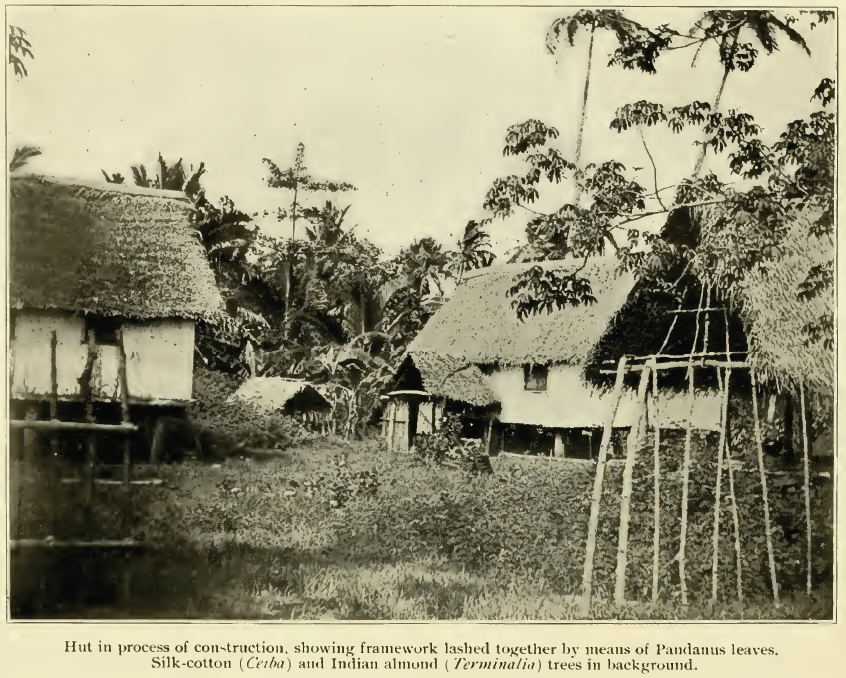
54, 427
649, 367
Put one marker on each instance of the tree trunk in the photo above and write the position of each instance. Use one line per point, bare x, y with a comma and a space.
593, 522
632, 444
726, 72
807, 481
768, 535
578, 156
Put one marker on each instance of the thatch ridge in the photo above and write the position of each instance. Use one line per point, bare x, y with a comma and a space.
479, 325
107, 250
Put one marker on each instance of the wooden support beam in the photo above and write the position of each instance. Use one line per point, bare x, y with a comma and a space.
715, 539
75, 544
807, 483
90, 466
767, 527
672, 365
656, 485
679, 356
55, 425
593, 521
632, 445
696, 310
686, 464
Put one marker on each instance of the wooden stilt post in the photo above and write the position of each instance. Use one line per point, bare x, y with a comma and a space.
686, 464
391, 423
807, 482
760, 445
55, 442
593, 521
715, 540
90, 466
488, 435
124, 406
632, 445
656, 484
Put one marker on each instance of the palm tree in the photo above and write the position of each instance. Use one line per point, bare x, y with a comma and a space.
472, 252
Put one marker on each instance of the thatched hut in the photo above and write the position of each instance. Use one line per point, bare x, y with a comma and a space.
278, 395
106, 285
537, 369
427, 385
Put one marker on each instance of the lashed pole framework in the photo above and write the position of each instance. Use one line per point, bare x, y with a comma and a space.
650, 366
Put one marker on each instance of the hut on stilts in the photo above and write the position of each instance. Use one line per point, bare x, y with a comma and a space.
107, 284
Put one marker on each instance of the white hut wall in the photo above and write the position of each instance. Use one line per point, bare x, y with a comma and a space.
399, 426
426, 417
31, 352
567, 401
160, 359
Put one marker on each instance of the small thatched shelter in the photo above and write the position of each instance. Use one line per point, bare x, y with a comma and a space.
281, 396
427, 384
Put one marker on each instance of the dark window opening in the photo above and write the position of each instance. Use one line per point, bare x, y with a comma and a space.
535, 377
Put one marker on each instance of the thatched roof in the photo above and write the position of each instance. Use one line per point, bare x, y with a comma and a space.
277, 393
445, 377
109, 250
479, 325
775, 317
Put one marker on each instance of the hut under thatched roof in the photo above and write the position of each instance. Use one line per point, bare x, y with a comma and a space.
106, 283
537, 369
281, 395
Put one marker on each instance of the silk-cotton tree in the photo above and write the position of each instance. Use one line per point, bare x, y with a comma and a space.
608, 199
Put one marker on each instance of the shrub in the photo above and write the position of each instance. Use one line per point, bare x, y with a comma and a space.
446, 444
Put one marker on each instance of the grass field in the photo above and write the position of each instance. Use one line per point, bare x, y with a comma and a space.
434, 543
349, 531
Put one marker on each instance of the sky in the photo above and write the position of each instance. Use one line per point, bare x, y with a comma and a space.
410, 105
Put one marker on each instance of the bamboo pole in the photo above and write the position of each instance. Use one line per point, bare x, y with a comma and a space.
593, 521
632, 444
656, 480
760, 446
733, 497
715, 541
686, 463
807, 483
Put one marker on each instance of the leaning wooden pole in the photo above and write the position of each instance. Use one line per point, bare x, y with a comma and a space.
760, 446
632, 445
807, 483
593, 521
686, 463
715, 540
730, 468
656, 484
